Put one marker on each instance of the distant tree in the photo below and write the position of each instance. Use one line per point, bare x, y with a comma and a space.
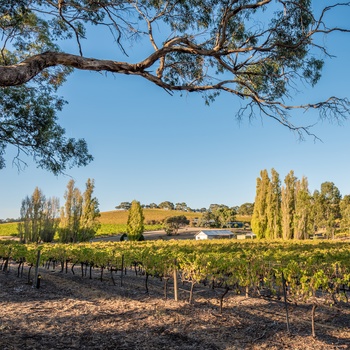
223, 215
31, 217
259, 218
207, 219
181, 206
38, 218
135, 224
79, 214
124, 205
330, 199
90, 212
24, 226
302, 216
166, 205
153, 206
316, 215
213, 207
71, 214
246, 209
172, 224
50, 219
345, 213
288, 205
273, 207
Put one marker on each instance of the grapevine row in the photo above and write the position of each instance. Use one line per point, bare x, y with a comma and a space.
305, 268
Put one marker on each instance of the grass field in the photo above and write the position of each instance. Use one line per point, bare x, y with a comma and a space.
8, 229
114, 222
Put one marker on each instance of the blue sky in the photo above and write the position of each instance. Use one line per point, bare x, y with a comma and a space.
153, 147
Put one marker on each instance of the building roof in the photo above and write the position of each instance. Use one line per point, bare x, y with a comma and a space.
217, 232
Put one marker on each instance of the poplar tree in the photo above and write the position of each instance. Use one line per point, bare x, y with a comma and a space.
259, 217
302, 222
90, 212
345, 213
31, 217
70, 214
79, 214
135, 226
331, 207
288, 206
24, 226
273, 207
317, 210
38, 218
50, 219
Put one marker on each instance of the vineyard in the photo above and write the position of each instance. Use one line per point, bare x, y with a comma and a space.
317, 273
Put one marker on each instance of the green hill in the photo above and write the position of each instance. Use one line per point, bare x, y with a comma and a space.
114, 222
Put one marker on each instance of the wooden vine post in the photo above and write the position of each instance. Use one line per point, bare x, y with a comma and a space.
36, 283
285, 301
176, 287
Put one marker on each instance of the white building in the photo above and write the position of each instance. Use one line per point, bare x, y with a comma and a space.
214, 234
249, 235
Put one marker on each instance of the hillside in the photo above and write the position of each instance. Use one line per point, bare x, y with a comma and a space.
8, 229
158, 215
114, 222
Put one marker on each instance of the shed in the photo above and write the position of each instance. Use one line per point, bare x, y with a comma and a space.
249, 235
214, 234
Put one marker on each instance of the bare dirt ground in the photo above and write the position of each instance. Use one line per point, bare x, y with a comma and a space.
73, 312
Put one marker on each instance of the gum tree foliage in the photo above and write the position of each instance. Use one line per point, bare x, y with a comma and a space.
246, 209
258, 51
166, 205
124, 205
172, 224
218, 215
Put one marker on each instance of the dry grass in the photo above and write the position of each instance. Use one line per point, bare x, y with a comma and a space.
71, 312
121, 216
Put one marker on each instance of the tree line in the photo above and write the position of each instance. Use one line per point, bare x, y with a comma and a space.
76, 221
244, 209
290, 211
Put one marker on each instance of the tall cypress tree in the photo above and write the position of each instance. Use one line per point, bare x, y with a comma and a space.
70, 214
302, 222
345, 213
90, 212
273, 207
135, 225
259, 217
331, 198
288, 206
